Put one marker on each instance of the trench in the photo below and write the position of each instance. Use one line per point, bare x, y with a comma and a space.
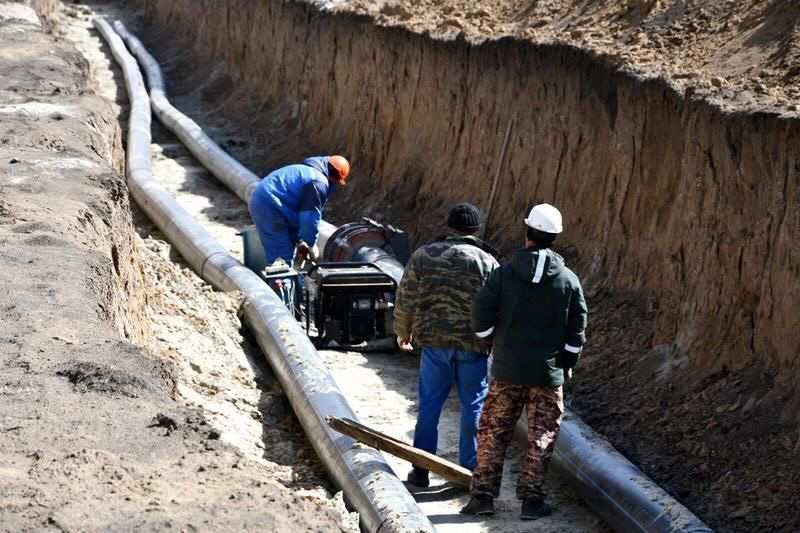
681, 213
630, 196
386, 381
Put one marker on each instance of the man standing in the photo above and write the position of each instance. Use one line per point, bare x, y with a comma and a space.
287, 204
534, 310
433, 308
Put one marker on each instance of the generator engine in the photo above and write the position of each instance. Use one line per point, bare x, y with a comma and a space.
350, 303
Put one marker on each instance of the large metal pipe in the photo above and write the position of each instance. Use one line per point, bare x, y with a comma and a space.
615, 489
609, 483
367, 480
233, 174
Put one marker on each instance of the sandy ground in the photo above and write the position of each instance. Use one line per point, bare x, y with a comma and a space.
385, 397
91, 435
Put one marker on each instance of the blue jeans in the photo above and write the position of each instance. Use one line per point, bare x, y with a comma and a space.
277, 237
439, 369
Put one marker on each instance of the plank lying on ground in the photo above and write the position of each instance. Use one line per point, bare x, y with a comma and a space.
420, 458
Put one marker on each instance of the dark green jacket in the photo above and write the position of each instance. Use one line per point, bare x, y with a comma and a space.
534, 312
434, 300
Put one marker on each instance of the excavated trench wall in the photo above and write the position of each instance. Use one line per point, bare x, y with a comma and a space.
665, 197
105, 224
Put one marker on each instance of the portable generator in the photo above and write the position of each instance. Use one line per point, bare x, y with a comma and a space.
349, 303
349, 295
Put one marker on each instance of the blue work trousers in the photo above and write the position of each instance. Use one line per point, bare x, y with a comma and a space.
277, 237
439, 369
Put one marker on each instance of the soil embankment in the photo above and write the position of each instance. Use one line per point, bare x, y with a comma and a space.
92, 437
681, 212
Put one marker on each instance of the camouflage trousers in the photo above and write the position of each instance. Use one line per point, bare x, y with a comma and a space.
501, 410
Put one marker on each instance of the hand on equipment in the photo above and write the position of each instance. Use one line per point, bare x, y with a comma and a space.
404, 343
304, 251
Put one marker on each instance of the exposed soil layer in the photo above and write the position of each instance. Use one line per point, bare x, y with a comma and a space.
681, 209
92, 436
736, 53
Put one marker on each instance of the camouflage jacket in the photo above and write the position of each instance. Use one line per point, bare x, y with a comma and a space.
434, 299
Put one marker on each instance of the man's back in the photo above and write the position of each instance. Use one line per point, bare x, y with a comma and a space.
434, 299
295, 188
535, 308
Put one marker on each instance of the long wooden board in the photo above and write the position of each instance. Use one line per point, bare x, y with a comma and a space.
420, 458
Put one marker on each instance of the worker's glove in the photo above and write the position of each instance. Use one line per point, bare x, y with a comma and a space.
566, 360
404, 343
304, 251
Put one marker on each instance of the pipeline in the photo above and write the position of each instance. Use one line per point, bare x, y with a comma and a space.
610, 484
384, 504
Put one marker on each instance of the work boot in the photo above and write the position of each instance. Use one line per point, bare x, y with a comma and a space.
479, 505
534, 508
418, 477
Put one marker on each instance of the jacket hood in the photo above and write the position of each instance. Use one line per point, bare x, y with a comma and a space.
537, 266
321, 163
318, 163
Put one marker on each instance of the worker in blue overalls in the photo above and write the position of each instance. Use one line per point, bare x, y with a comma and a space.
287, 204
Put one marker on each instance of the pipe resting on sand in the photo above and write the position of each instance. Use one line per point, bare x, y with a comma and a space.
368, 482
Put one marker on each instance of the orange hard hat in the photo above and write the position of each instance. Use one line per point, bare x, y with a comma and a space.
342, 167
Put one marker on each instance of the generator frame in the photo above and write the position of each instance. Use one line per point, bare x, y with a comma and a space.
338, 284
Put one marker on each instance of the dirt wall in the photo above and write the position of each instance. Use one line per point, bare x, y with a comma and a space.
693, 208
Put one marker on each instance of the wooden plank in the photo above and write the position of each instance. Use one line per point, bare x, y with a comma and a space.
420, 458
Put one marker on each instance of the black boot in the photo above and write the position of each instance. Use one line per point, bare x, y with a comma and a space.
479, 505
418, 477
533, 508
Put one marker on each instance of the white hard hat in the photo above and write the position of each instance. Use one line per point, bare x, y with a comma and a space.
546, 218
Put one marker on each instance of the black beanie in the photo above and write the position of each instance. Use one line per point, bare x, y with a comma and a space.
464, 218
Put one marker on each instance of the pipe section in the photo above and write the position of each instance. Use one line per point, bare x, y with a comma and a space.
615, 489
384, 504
365, 242
610, 484
208, 258
227, 169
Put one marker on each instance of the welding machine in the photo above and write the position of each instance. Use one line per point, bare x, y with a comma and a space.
350, 303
